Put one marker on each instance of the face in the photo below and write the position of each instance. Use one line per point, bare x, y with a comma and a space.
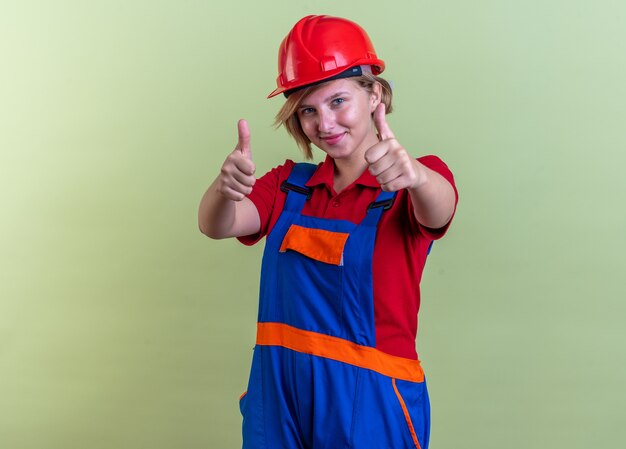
337, 118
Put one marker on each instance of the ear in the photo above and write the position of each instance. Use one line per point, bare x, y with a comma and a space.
376, 96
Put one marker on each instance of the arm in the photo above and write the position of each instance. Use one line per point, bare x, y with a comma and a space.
225, 211
432, 196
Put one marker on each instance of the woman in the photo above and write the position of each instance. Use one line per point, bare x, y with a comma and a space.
334, 363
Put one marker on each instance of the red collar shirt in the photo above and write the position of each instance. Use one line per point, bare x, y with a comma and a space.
399, 253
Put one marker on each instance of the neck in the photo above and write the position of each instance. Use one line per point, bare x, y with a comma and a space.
347, 171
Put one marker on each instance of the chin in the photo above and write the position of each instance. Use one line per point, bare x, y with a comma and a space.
337, 153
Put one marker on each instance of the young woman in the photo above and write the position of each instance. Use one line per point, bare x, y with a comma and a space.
334, 364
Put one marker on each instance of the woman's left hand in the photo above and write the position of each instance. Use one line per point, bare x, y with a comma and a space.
388, 161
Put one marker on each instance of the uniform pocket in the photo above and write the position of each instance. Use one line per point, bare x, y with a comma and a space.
407, 416
251, 406
317, 244
251, 398
413, 402
388, 413
310, 279
242, 402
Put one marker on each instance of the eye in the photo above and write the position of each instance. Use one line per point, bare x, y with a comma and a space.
307, 111
337, 101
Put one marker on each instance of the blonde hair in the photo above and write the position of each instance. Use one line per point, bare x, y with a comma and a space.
288, 116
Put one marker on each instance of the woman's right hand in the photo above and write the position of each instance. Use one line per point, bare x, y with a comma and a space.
236, 176
225, 210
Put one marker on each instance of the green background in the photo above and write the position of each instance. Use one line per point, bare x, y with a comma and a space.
121, 326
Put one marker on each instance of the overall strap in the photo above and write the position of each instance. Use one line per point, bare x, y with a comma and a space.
295, 188
383, 202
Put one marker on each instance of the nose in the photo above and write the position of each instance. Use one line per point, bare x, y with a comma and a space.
326, 121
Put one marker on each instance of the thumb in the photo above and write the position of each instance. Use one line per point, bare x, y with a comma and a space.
380, 121
244, 139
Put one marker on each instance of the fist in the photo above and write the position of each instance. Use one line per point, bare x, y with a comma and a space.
237, 173
388, 161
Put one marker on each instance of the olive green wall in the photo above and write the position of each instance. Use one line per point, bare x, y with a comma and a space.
121, 326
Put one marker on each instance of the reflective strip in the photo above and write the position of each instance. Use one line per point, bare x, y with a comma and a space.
406, 415
318, 244
321, 345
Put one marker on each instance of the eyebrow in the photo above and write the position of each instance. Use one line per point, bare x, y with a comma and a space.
332, 97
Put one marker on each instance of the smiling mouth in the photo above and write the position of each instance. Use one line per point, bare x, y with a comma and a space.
331, 140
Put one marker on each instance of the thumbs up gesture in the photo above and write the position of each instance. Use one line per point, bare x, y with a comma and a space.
236, 176
388, 161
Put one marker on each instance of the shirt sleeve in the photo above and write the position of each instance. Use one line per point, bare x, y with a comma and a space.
264, 196
437, 165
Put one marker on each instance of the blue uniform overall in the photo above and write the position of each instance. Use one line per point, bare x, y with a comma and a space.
317, 380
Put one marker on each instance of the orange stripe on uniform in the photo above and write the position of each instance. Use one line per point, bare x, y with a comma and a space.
334, 348
318, 244
406, 415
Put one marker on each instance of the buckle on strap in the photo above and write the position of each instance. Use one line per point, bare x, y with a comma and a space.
385, 204
287, 186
